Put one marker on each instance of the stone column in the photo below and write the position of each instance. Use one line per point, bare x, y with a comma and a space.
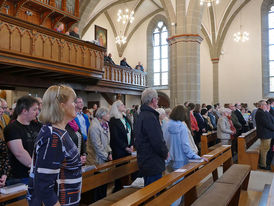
185, 68
215, 63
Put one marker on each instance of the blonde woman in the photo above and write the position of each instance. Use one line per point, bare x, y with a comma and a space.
120, 134
55, 176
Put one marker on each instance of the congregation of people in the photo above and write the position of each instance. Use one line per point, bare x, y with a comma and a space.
45, 142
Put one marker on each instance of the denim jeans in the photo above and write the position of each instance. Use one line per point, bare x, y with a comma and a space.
150, 179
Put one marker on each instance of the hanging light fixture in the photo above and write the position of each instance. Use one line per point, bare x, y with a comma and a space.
208, 2
120, 39
241, 36
124, 16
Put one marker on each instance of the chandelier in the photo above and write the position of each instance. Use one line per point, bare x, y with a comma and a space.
125, 16
241, 36
208, 2
120, 39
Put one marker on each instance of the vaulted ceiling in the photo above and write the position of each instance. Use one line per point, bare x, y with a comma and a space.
215, 21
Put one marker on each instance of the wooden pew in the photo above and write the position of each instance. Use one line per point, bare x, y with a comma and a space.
90, 179
4, 198
248, 149
207, 138
163, 192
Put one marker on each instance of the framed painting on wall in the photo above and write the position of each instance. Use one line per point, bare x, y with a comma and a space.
101, 36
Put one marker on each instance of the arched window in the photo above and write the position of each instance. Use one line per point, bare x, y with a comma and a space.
160, 55
267, 13
271, 48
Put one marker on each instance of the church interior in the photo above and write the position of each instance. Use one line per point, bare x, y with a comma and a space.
199, 51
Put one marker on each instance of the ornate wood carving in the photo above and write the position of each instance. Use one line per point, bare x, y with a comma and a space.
44, 16
2, 3
35, 48
19, 5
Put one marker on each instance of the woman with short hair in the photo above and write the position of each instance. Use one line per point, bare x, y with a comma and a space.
99, 136
98, 144
55, 176
225, 128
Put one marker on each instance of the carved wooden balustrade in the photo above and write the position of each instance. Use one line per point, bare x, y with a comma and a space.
32, 46
124, 75
30, 53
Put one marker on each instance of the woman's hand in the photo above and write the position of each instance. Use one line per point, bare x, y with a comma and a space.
129, 149
3, 180
205, 159
110, 157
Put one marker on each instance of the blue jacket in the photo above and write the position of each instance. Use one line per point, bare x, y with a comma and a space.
176, 137
212, 119
87, 124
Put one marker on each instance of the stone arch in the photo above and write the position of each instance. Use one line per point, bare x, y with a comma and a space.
151, 26
266, 5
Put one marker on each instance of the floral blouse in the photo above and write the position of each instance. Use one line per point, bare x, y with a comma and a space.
4, 159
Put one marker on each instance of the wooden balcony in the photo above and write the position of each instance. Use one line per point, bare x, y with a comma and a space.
34, 56
27, 45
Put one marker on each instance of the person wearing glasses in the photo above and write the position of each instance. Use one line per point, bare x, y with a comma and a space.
55, 176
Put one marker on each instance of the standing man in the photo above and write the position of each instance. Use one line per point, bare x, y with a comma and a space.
265, 131
20, 136
81, 119
240, 117
271, 102
151, 147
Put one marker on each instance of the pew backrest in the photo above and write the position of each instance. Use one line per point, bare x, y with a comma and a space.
163, 192
248, 149
207, 138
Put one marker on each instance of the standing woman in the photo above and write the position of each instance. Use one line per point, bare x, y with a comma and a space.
55, 176
98, 142
120, 135
225, 128
177, 139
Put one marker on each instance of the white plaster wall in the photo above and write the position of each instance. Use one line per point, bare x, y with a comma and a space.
132, 100
240, 72
206, 74
111, 46
136, 49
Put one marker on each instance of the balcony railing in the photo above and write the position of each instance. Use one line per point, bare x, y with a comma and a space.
35, 51
124, 75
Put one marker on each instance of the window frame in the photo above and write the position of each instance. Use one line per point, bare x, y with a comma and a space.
160, 31
150, 67
266, 78
271, 76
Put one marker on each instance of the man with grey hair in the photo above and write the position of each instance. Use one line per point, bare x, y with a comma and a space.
265, 131
150, 144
